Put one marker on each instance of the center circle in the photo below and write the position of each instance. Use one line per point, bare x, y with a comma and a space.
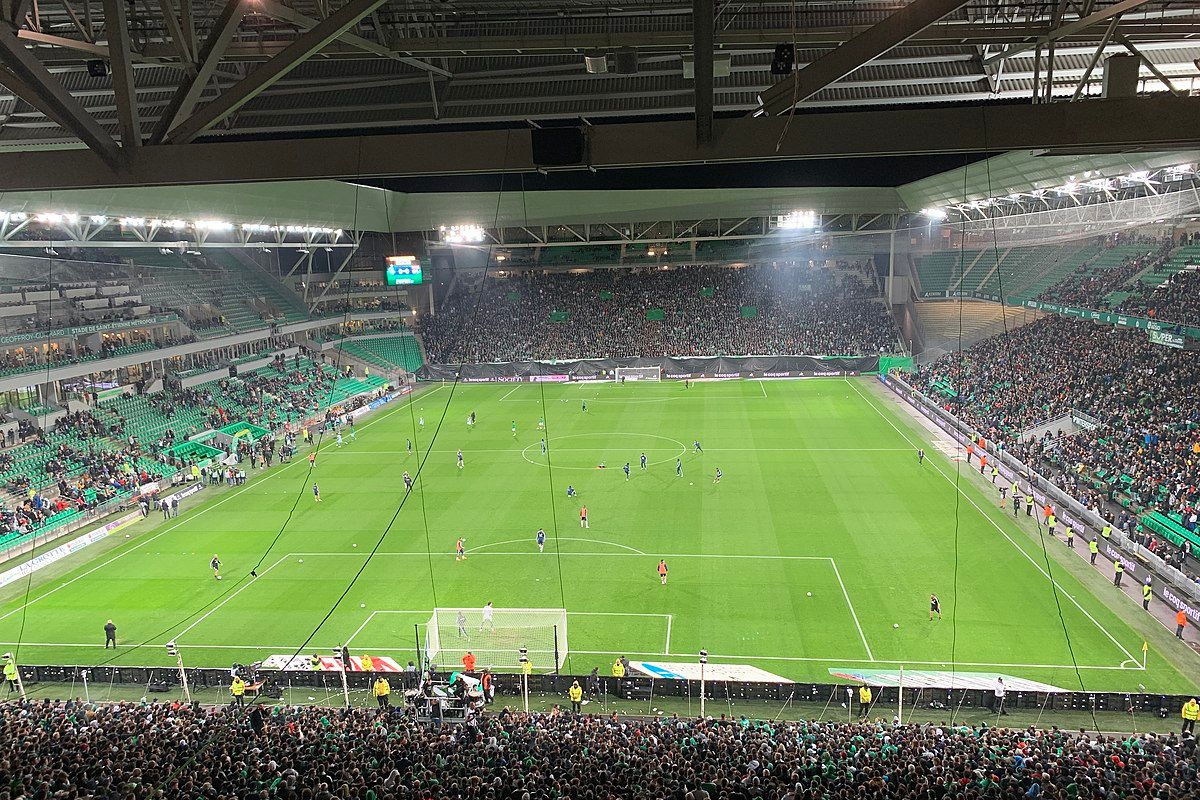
614, 456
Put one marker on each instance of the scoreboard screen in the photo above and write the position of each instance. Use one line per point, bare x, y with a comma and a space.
403, 271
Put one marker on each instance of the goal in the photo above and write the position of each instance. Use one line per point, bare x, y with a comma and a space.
541, 631
639, 373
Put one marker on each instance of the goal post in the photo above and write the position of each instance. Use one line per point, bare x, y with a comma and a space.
639, 373
497, 644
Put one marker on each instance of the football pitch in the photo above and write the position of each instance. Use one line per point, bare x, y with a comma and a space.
818, 549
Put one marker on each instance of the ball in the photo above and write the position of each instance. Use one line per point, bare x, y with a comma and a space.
362, 605
302, 561
127, 536
218, 577
810, 594
895, 624
354, 545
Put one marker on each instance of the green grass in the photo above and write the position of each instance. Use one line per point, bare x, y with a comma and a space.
821, 494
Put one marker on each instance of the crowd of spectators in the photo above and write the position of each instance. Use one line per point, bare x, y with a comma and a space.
1087, 288
706, 312
1177, 300
73, 750
1146, 398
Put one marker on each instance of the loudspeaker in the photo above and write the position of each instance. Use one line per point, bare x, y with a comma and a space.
627, 61
97, 68
783, 60
1121, 75
557, 147
596, 63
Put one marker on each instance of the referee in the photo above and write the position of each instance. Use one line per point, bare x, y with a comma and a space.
110, 635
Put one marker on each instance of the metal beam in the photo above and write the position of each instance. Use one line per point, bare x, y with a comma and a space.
116, 27
177, 35
55, 101
25, 92
1095, 58
703, 25
183, 102
871, 43
1142, 124
1115, 10
295, 54
282, 12
1150, 65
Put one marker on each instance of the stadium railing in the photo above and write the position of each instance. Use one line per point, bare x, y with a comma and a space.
719, 694
1169, 584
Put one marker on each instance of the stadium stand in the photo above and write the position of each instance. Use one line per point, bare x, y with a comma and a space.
388, 352
104, 454
1093, 284
1144, 452
72, 749
945, 324
706, 311
1015, 273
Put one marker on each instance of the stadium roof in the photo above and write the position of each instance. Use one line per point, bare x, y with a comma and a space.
244, 92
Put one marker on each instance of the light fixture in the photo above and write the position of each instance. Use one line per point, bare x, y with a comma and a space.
934, 213
798, 220
461, 234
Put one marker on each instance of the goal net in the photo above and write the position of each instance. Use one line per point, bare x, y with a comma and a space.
497, 643
639, 373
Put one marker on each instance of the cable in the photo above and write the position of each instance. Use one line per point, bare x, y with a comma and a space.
562, 592
962, 236
234, 586
16, 653
1004, 319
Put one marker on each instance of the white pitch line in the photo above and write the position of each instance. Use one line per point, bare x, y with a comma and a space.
203, 510
813, 659
229, 597
561, 539
359, 629
850, 605
987, 517
667, 646
763, 386
509, 392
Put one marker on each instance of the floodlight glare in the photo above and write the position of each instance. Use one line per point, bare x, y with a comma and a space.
934, 213
461, 234
798, 220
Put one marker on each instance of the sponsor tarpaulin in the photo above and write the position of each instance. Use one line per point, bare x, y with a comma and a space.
62, 551
673, 368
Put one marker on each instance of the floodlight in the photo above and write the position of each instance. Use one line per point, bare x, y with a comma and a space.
934, 213
798, 220
461, 234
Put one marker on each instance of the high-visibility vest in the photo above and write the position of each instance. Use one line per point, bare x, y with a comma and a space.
1191, 710
575, 693
1106, 531
382, 688
1181, 617
864, 695
10, 670
618, 669
237, 688
1093, 547
1119, 567
1146, 591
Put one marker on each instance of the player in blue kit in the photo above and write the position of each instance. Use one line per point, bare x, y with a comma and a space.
541, 540
678, 468
626, 470
643, 460
460, 459
698, 448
